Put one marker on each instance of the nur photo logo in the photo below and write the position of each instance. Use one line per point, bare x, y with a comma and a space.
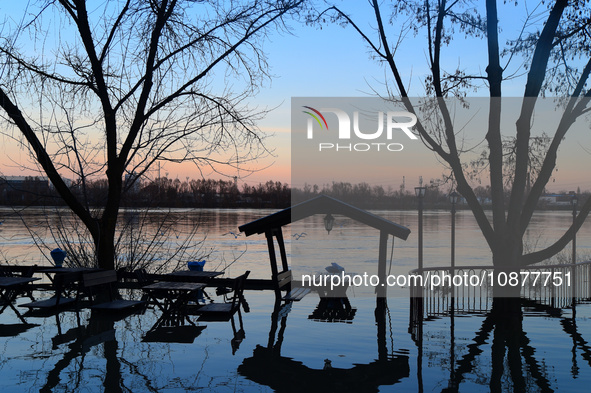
396, 123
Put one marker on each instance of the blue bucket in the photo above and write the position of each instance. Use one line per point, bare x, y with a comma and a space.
196, 266
58, 255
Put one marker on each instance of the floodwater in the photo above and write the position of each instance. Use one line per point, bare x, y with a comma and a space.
351, 244
311, 345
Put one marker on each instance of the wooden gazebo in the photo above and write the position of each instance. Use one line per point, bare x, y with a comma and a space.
268, 367
271, 226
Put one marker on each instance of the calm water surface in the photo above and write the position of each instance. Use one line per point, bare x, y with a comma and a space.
296, 349
351, 244
550, 353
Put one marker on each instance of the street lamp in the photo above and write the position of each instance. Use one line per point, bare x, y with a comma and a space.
453, 198
574, 201
420, 193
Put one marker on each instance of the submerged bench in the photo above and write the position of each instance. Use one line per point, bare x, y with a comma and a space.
61, 282
99, 283
284, 281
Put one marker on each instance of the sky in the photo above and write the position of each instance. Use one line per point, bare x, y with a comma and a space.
333, 61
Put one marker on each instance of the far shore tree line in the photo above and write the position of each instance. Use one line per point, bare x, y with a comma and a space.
211, 193
161, 192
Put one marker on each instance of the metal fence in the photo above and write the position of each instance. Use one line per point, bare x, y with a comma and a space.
471, 288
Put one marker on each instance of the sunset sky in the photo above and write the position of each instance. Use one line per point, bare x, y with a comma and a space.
335, 62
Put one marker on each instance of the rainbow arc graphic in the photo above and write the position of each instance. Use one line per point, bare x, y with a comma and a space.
316, 117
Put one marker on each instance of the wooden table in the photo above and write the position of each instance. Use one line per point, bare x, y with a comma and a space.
195, 274
63, 270
172, 297
10, 288
75, 272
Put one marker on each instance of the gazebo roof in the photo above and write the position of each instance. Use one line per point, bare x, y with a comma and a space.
323, 205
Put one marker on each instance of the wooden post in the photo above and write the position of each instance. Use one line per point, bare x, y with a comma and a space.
383, 251
380, 314
282, 252
272, 260
274, 323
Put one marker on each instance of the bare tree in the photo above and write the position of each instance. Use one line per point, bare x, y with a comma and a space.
553, 47
109, 89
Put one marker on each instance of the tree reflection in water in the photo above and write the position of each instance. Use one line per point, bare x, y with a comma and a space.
517, 346
513, 362
100, 330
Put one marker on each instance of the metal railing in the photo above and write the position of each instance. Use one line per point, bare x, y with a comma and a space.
556, 286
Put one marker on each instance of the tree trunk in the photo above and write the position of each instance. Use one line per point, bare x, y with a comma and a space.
507, 316
507, 261
108, 222
105, 244
108, 225
508, 253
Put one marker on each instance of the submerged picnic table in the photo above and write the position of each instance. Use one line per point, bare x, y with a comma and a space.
10, 288
172, 298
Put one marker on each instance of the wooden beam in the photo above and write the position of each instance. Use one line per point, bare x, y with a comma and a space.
272, 256
380, 314
323, 205
381, 290
279, 235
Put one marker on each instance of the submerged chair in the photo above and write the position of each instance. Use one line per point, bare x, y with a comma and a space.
225, 311
284, 283
142, 277
183, 334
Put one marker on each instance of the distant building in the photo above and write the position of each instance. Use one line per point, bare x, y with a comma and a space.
24, 190
135, 186
556, 199
20, 181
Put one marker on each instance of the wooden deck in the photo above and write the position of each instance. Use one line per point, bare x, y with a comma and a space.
250, 284
128, 279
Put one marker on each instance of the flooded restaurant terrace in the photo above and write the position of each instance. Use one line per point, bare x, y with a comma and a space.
444, 342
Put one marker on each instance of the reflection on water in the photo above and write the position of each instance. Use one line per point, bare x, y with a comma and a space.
278, 347
334, 309
214, 225
352, 245
268, 367
344, 344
